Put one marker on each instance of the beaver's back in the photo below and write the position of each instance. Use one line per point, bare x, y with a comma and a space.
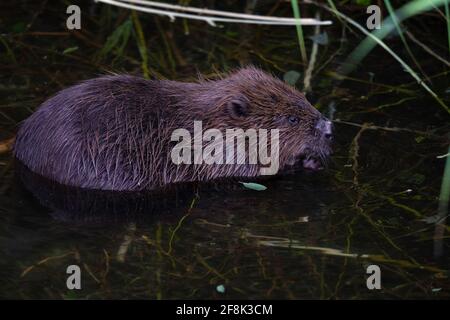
73, 137
114, 133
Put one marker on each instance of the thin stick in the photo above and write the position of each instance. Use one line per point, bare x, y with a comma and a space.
392, 129
447, 17
312, 59
212, 20
127, 239
6, 145
204, 11
400, 33
427, 49
444, 198
172, 236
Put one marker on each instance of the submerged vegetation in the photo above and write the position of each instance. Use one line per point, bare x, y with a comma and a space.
383, 201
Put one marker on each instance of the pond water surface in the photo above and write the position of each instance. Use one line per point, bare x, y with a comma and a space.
308, 236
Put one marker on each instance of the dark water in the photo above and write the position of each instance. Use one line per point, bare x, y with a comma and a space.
305, 237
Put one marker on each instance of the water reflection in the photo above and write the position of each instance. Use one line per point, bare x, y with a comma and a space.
78, 205
72, 204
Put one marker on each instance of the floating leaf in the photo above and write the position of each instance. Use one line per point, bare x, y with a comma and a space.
291, 77
321, 38
419, 139
254, 186
220, 288
69, 50
433, 219
303, 219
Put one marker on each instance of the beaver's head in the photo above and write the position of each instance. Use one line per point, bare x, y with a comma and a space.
258, 100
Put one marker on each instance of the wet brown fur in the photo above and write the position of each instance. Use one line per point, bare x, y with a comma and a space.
113, 132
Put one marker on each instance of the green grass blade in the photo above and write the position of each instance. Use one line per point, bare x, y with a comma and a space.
444, 196
334, 9
374, 38
141, 44
447, 17
400, 33
301, 40
408, 10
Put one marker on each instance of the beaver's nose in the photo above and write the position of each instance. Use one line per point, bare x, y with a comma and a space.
325, 127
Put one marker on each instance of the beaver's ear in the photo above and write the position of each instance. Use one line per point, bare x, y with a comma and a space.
237, 107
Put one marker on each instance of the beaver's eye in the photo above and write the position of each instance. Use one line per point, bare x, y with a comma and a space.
293, 119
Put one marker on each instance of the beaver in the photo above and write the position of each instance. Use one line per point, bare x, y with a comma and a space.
115, 132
